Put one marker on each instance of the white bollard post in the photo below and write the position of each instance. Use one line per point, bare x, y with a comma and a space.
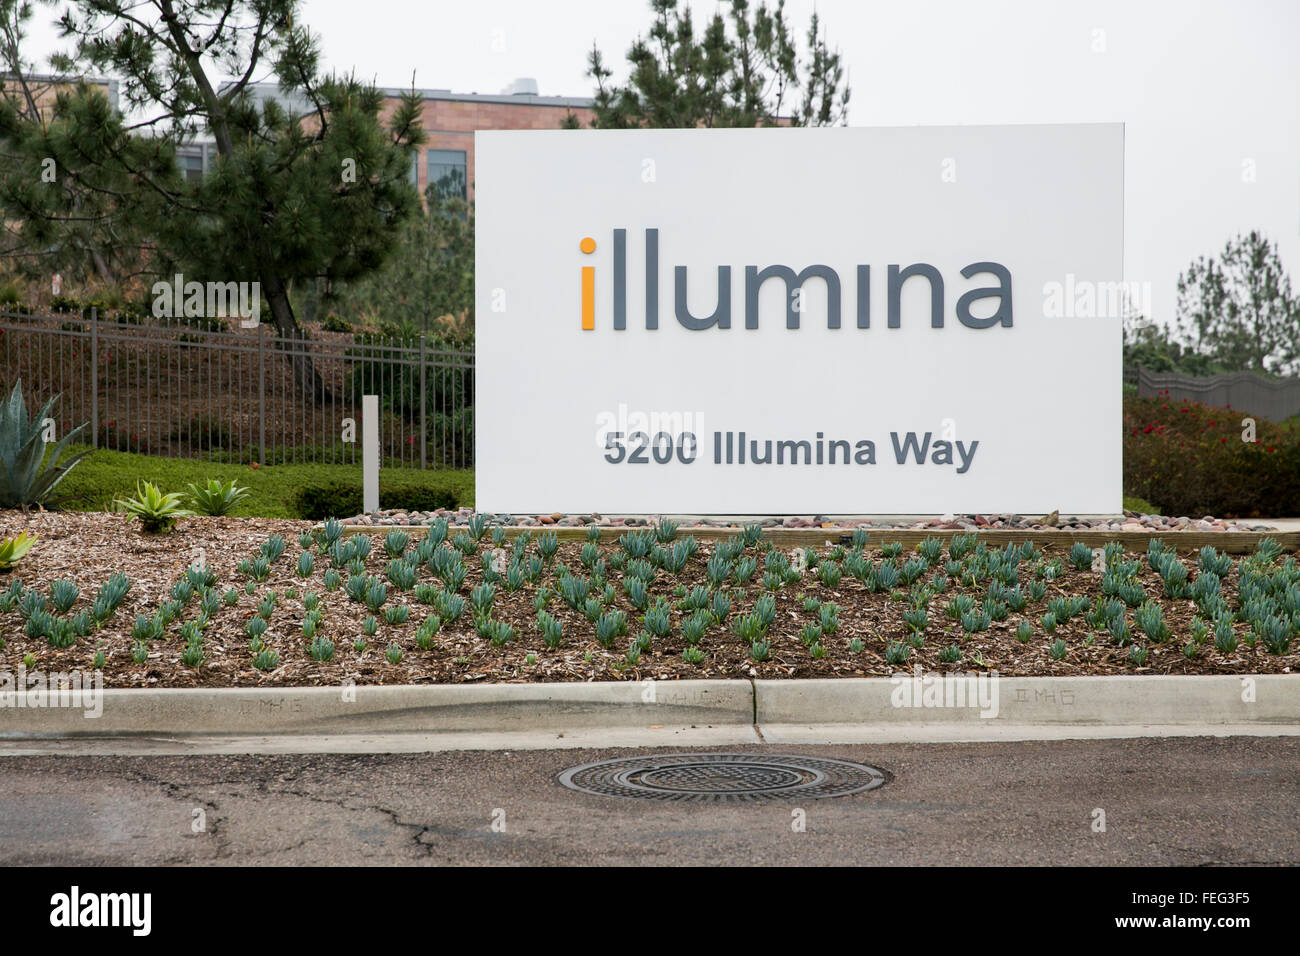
370, 453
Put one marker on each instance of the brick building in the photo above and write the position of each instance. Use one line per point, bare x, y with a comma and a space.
450, 119
44, 89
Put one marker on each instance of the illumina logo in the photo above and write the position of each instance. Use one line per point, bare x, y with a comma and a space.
755, 277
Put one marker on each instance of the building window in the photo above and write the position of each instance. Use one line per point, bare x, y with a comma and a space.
447, 173
191, 166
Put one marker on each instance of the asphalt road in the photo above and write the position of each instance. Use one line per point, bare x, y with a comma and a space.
1188, 801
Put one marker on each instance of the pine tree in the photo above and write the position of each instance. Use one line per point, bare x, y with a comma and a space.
1240, 310
316, 191
741, 71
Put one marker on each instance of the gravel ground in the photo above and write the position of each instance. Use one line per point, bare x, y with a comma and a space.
1129, 521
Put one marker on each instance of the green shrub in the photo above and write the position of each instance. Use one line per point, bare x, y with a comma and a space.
1188, 458
105, 475
339, 499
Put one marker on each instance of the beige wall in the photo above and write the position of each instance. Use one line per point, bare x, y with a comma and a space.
450, 124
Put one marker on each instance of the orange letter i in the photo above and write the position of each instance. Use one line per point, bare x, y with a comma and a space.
588, 246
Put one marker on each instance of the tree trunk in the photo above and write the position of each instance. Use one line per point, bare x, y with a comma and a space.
290, 339
305, 375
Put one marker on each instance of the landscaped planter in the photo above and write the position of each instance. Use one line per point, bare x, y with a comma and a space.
848, 616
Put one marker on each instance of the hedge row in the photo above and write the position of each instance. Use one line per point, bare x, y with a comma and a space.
312, 492
1192, 459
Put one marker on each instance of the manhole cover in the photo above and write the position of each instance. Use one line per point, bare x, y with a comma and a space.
723, 777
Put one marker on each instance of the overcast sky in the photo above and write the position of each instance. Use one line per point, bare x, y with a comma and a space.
1207, 88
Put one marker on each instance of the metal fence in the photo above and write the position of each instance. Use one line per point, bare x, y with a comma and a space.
205, 389
1274, 400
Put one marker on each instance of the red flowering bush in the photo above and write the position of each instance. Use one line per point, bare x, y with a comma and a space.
1190, 459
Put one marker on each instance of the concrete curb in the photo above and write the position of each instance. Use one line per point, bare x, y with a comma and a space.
912, 706
498, 708
1071, 701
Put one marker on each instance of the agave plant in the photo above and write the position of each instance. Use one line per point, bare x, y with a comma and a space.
13, 550
157, 511
26, 477
216, 497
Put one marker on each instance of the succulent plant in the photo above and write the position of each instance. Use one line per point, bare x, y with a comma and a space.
64, 594
438, 528
1081, 556
499, 633
395, 543
657, 621
30, 602
748, 628
574, 591
665, 530
450, 605
897, 653
376, 595
321, 649
30, 474
552, 630
637, 593
400, 574
1150, 619
885, 576
930, 548
1275, 632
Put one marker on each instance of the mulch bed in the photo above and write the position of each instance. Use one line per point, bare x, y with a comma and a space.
87, 547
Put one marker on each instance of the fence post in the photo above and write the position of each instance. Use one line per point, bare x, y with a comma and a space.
369, 454
94, 377
424, 428
261, 396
